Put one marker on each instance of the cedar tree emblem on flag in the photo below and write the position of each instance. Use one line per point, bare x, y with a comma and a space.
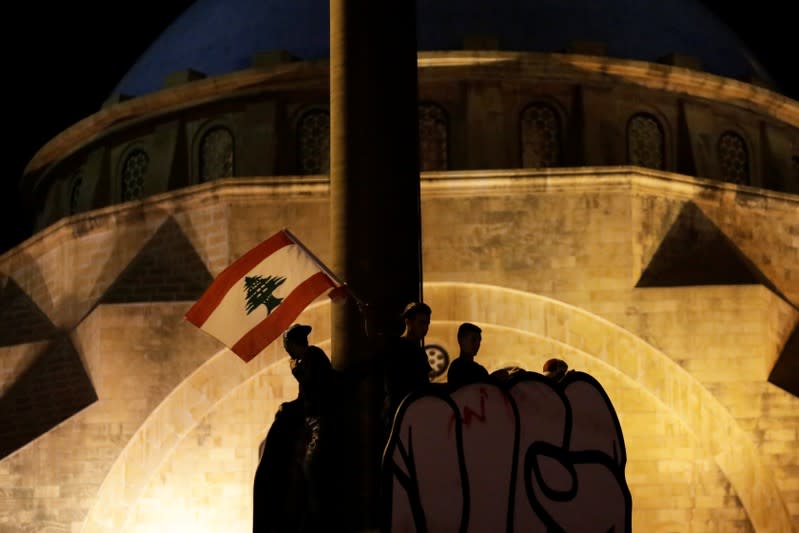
256, 298
259, 292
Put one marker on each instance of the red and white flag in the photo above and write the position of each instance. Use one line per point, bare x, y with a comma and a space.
256, 298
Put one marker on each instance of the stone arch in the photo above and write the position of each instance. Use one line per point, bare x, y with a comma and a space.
719, 433
157, 464
180, 412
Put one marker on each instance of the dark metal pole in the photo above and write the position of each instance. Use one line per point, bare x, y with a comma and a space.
375, 210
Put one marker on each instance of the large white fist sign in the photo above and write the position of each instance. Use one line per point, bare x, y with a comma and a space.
526, 455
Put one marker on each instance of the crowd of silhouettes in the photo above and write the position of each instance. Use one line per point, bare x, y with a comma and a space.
289, 491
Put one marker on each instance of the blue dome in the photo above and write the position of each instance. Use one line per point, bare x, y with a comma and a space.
220, 36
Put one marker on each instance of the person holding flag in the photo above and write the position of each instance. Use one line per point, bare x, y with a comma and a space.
247, 307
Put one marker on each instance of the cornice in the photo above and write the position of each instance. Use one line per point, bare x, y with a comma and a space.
468, 183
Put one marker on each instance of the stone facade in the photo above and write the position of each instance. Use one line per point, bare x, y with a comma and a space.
547, 262
677, 290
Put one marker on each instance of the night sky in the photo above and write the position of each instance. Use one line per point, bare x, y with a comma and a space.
59, 69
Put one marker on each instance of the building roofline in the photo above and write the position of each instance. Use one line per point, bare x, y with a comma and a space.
528, 65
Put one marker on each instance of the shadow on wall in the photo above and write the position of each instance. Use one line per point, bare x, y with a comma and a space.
785, 373
167, 268
21, 320
52, 389
695, 251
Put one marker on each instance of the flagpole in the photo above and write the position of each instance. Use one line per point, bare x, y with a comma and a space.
293, 238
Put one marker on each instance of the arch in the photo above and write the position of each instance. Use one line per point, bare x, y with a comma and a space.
133, 173
646, 141
433, 137
182, 410
215, 153
733, 157
522, 320
313, 141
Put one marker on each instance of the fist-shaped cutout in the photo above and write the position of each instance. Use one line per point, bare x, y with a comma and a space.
528, 455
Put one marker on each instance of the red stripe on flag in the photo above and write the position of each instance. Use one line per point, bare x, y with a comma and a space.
209, 301
281, 318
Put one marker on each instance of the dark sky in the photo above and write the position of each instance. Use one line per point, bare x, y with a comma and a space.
63, 60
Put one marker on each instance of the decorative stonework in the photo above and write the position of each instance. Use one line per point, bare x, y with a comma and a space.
531, 67
313, 139
540, 136
645, 142
216, 154
133, 172
733, 158
472, 139
433, 138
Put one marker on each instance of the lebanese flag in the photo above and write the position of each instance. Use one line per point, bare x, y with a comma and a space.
257, 298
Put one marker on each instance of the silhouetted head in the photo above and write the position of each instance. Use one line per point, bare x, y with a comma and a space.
469, 338
295, 340
417, 320
555, 369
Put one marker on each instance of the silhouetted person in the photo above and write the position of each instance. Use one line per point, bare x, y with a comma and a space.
556, 369
405, 363
464, 369
279, 488
316, 377
290, 478
312, 369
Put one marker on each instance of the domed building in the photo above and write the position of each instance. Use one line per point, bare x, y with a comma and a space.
611, 183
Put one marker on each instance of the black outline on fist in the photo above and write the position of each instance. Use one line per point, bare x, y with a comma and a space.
527, 454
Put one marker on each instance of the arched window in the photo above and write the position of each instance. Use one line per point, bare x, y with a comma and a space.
433, 138
74, 193
733, 158
313, 140
216, 154
540, 136
133, 173
646, 146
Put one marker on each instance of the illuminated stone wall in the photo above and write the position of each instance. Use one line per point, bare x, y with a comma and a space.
174, 431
